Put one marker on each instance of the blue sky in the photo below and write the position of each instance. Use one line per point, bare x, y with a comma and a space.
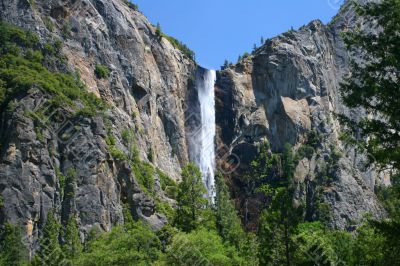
223, 29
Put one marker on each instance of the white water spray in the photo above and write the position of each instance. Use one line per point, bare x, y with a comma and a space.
205, 137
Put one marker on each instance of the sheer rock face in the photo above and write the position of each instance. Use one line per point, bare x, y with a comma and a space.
286, 88
146, 91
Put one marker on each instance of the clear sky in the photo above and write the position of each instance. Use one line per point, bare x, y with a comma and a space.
224, 29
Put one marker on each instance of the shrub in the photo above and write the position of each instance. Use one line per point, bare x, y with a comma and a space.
165, 180
66, 30
49, 24
132, 5
165, 208
23, 66
144, 173
101, 71
306, 151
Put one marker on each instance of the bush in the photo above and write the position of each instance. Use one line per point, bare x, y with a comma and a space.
305, 151
132, 5
66, 30
177, 44
136, 245
165, 208
165, 180
101, 71
201, 246
49, 24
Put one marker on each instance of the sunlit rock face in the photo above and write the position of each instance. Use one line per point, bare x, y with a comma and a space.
147, 92
288, 87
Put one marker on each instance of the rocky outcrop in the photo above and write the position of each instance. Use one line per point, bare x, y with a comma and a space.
146, 92
286, 89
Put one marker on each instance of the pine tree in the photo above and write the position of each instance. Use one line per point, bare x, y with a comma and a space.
374, 81
190, 199
226, 65
12, 250
262, 41
279, 220
228, 223
72, 246
373, 85
50, 252
158, 30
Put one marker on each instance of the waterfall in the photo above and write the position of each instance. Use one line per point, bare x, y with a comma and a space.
203, 139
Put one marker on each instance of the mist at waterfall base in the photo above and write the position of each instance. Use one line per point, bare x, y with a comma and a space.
202, 139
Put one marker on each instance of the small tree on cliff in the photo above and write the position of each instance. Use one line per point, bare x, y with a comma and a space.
158, 30
190, 199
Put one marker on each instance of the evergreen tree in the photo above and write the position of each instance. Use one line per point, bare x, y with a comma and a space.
279, 220
50, 252
262, 41
229, 226
374, 81
373, 85
190, 199
228, 223
226, 65
158, 30
72, 246
12, 250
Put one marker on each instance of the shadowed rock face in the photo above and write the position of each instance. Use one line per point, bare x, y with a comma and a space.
285, 89
147, 90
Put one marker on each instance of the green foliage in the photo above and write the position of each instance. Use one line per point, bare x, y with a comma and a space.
66, 30
368, 247
135, 245
306, 151
374, 86
144, 173
131, 5
101, 71
61, 180
50, 252
49, 24
168, 185
22, 66
201, 246
228, 223
72, 245
373, 83
176, 43
317, 245
190, 200
390, 198
158, 30
166, 209
12, 251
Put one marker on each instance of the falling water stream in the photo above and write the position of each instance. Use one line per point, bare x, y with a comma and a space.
205, 159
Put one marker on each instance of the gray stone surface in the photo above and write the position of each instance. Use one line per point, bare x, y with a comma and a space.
286, 88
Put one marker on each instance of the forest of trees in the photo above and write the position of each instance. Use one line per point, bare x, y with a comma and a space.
204, 233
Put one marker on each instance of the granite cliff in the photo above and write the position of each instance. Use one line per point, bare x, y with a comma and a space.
285, 92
